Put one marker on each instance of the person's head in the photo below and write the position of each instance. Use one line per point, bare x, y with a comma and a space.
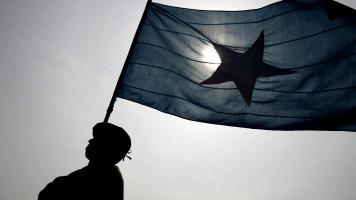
109, 144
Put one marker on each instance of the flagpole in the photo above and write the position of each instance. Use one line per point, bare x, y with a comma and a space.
126, 64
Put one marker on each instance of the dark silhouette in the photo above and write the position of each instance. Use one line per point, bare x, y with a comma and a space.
101, 179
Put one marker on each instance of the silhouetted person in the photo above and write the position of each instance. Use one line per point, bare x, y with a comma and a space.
101, 179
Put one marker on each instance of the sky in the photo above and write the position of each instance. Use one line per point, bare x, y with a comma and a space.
59, 64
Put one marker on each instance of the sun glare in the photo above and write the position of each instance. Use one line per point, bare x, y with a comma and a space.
210, 55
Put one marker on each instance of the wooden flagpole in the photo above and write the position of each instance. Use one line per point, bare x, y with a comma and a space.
126, 64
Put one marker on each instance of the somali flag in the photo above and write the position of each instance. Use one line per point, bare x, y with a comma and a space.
287, 66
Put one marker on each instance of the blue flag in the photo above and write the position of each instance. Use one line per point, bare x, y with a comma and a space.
287, 66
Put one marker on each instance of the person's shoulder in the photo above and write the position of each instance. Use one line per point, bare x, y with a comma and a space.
78, 173
57, 182
61, 185
54, 189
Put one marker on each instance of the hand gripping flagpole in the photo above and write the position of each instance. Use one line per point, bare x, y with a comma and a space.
126, 64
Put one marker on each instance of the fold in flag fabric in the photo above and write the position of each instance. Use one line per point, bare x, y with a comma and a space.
288, 66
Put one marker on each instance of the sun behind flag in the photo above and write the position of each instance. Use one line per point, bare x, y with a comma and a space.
287, 66
244, 68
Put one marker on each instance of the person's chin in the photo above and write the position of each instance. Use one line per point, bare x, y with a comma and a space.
87, 154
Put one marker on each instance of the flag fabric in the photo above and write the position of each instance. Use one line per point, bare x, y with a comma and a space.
288, 66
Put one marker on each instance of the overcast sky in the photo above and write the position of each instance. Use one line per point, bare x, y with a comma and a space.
59, 63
